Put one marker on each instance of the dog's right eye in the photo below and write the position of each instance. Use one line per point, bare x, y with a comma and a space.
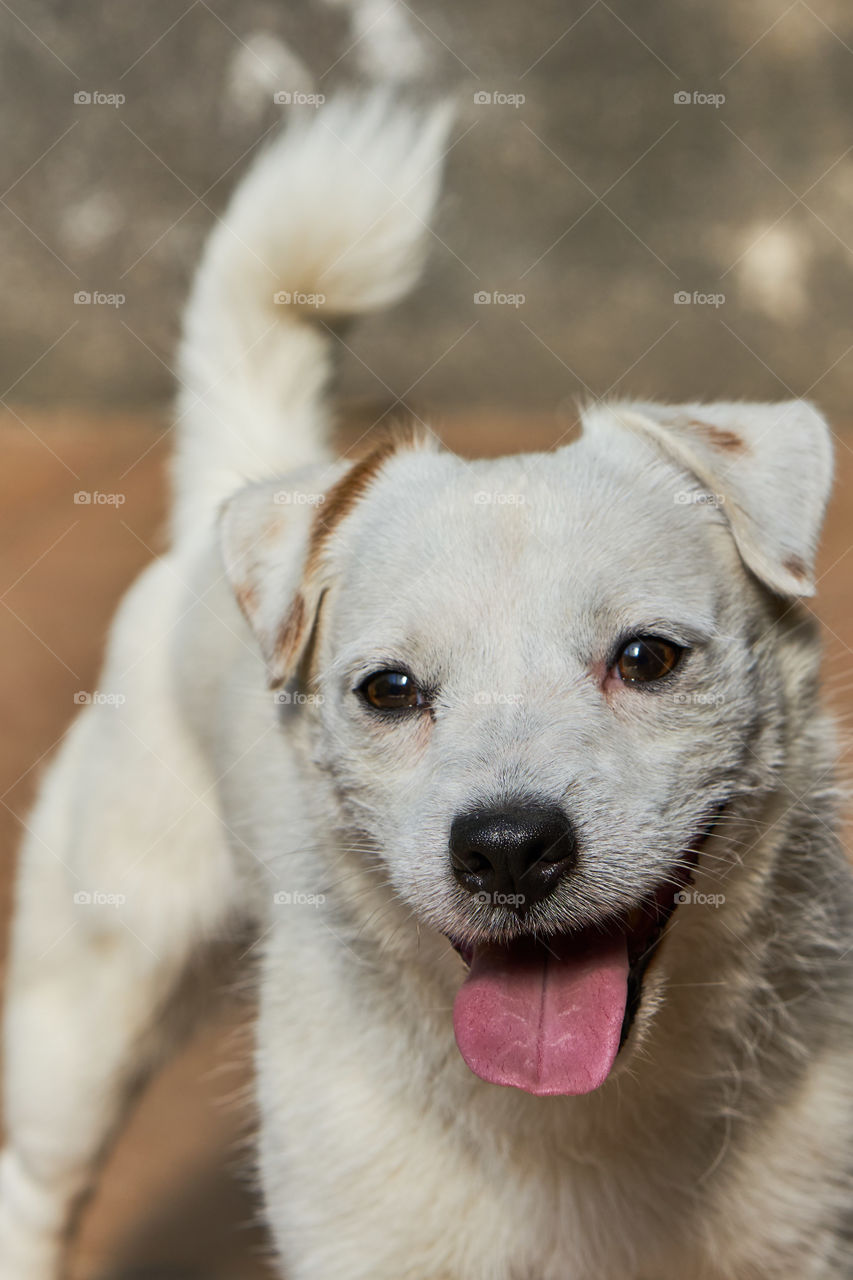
392, 691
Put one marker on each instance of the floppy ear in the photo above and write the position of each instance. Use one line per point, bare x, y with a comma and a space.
771, 464
265, 532
276, 540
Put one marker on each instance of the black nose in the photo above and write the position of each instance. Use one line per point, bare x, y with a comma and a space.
521, 851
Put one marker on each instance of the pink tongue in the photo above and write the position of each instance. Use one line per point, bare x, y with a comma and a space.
544, 1017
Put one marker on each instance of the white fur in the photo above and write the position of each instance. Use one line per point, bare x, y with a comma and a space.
719, 1148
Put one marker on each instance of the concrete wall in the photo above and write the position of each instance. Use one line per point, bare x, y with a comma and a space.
599, 197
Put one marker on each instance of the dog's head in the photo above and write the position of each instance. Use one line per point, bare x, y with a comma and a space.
546, 683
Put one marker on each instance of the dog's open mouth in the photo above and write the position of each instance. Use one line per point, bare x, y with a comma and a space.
549, 1016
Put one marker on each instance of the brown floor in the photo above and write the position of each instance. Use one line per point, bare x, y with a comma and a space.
174, 1190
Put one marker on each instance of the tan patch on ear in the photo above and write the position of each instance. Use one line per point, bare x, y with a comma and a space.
796, 567
720, 437
294, 632
271, 533
344, 495
247, 599
727, 440
311, 655
291, 633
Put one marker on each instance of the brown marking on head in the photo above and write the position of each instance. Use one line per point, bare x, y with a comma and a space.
720, 437
290, 634
796, 567
344, 495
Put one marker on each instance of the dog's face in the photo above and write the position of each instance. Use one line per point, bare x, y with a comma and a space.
543, 680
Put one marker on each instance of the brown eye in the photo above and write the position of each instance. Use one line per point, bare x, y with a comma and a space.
647, 658
392, 691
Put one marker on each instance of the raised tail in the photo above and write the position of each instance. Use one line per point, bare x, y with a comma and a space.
330, 221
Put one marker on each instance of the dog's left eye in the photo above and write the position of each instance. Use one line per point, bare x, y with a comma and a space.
646, 658
392, 691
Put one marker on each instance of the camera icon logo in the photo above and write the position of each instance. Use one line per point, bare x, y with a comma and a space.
482, 297
482, 98
681, 898
681, 298
282, 298
82, 298
81, 698
282, 98
83, 898
82, 98
681, 99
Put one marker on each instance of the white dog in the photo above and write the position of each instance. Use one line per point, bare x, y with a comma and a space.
516, 767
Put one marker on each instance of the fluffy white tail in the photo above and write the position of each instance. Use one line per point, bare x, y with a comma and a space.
331, 221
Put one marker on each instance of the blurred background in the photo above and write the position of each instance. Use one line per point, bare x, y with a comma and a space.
609, 158
652, 200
